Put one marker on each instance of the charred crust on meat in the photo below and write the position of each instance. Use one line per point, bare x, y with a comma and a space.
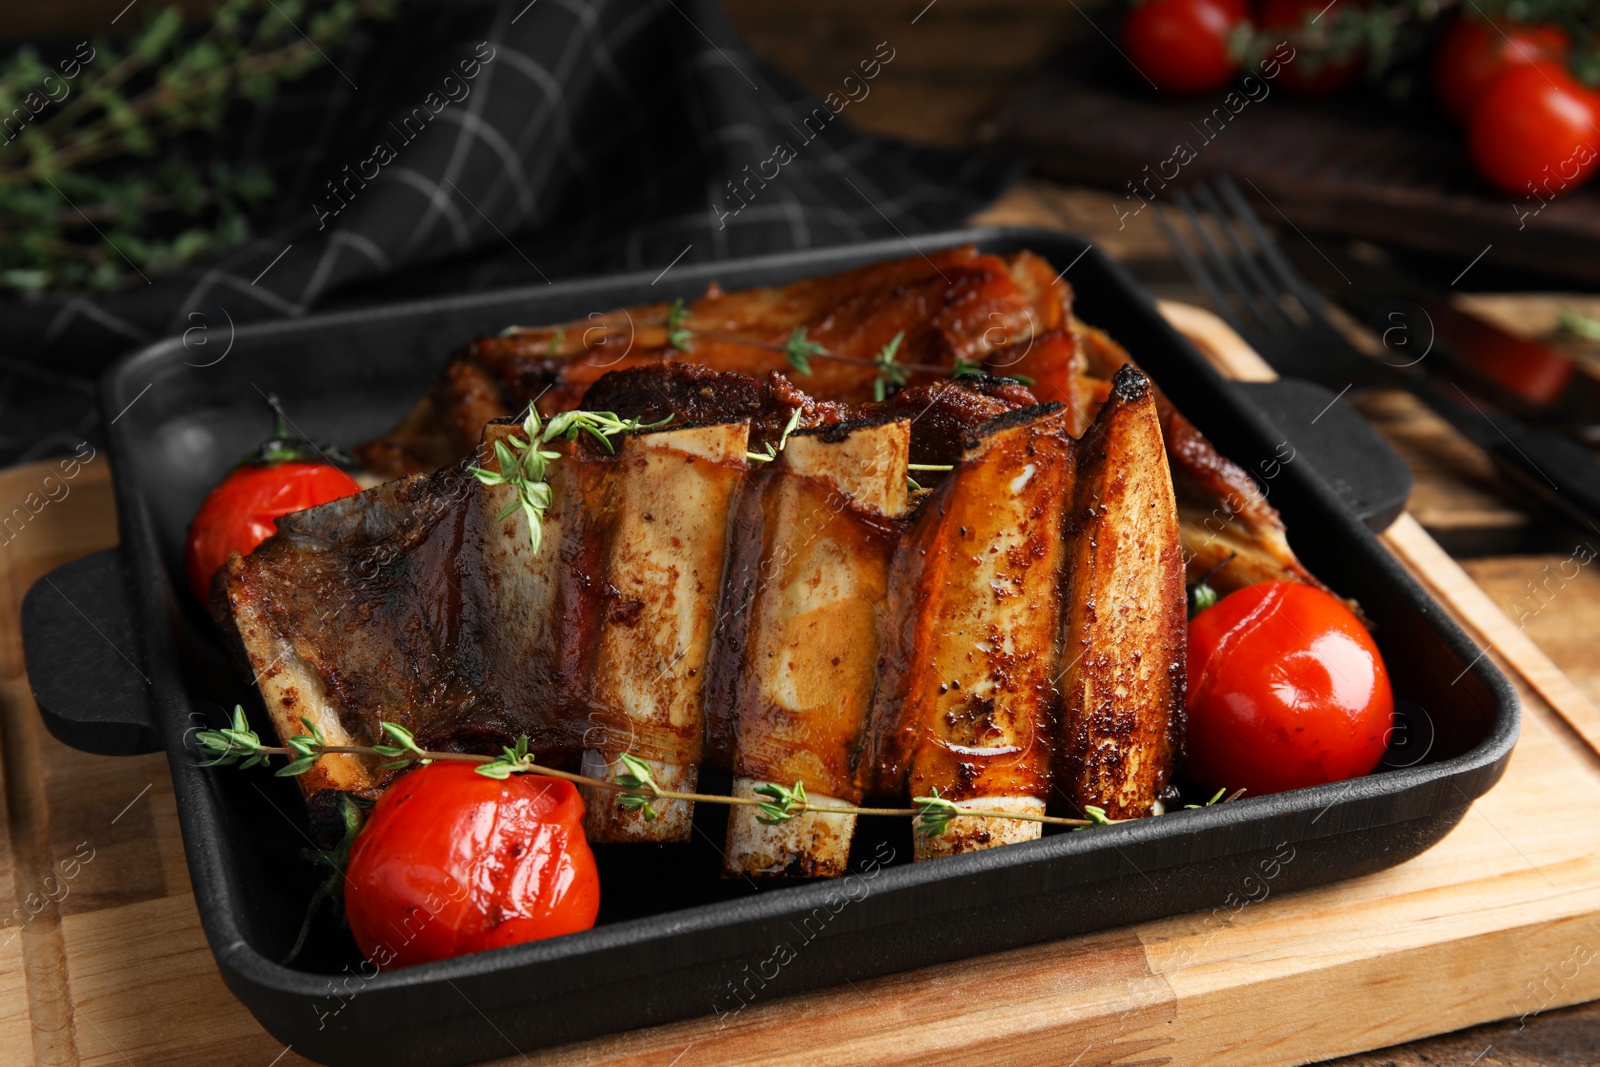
693, 394
834, 432
1012, 419
1129, 384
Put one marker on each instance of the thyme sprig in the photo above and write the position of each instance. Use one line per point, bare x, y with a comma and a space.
935, 814
783, 802
679, 336
770, 452
524, 464
890, 371
237, 744
74, 214
799, 349
642, 790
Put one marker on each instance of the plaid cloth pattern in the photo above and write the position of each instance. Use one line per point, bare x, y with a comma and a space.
467, 146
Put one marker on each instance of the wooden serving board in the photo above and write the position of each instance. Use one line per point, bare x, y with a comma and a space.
102, 959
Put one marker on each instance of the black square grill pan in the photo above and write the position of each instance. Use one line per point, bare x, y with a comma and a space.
674, 938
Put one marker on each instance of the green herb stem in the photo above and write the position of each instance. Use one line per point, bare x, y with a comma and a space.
239, 744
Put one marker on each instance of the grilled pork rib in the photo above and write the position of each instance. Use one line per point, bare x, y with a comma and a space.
1231, 535
1125, 624
966, 708
819, 529
649, 559
408, 603
786, 623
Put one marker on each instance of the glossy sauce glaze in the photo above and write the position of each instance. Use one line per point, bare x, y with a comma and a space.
801, 680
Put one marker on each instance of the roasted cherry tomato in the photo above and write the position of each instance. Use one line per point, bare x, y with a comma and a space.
286, 474
1184, 46
1474, 52
1536, 131
1286, 689
451, 862
1317, 69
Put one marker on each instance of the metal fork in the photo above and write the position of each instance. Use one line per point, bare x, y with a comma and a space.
1258, 292
1255, 289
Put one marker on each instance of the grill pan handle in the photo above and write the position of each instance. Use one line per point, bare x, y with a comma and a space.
1333, 438
94, 698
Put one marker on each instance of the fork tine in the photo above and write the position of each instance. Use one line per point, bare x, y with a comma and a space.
1221, 264
1265, 294
1197, 271
1288, 277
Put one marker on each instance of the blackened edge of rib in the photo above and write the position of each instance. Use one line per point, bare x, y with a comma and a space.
1129, 384
834, 432
1008, 419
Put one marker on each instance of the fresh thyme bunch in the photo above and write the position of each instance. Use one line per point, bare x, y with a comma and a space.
77, 208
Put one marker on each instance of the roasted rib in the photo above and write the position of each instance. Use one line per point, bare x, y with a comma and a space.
966, 708
408, 603
647, 566
814, 543
1124, 628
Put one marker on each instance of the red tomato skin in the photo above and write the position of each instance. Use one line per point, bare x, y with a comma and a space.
1286, 689
1328, 78
451, 862
1182, 45
1473, 53
241, 512
1535, 131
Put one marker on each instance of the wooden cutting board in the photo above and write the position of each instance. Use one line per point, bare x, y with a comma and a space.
102, 960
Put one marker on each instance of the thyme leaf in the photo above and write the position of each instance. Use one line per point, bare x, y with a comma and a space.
1097, 817
934, 814
785, 802
770, 453
891, 374
799, 350
678, 336
1580, 325
524, 464
641, 785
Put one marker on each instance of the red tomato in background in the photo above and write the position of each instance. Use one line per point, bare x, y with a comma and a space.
1183, 45
1474, 52
451, 862
241, 511
1536, 125
1312, 72
1286, 689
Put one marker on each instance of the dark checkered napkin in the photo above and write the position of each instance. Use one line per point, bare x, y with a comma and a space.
471, 145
